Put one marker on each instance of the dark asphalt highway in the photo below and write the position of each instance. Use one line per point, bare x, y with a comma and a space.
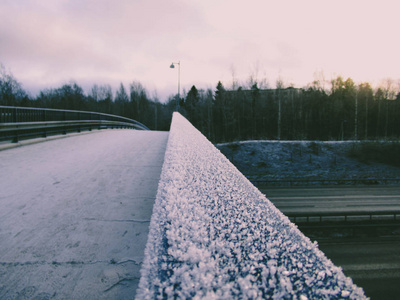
372, 262
334, 199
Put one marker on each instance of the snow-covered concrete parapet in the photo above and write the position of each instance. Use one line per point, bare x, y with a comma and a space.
213, 235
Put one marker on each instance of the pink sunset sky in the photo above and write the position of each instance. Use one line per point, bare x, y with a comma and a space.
46, 43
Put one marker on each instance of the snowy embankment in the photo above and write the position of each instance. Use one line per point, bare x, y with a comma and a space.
213, 235
309, 162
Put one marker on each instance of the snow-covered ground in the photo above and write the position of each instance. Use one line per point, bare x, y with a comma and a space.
303, 160
213, 235
75, 212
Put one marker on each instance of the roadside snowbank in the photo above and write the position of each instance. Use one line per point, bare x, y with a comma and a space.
213, 235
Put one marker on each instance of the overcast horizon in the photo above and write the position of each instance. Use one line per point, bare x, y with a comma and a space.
47, 43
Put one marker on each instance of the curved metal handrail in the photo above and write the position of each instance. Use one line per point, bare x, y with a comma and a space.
16, 111
28, 121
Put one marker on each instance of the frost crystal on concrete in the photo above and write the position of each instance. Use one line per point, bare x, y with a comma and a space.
213, 235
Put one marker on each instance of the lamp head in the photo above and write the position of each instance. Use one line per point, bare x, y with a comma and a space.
172, 66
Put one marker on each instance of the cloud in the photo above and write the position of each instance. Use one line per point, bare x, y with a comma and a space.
87, 37
50, 42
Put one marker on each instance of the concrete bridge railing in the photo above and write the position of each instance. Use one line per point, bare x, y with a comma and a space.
213, 235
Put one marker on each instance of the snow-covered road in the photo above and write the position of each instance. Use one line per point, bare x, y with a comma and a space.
74, 214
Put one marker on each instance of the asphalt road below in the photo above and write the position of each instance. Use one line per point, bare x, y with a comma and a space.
75, 212
334, 199
372, 262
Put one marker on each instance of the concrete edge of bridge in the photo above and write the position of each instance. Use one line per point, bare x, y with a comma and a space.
201, 228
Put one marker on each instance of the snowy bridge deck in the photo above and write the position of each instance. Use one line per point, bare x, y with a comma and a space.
74, 214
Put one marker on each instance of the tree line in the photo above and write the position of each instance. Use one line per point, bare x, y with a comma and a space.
346, 111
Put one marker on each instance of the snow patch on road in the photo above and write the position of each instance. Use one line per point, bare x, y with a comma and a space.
213, 235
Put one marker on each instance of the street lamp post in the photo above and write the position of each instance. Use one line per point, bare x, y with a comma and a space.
172, 66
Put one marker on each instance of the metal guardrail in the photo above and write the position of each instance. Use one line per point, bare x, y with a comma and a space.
320, 216
305, 182
24, 122
349, 225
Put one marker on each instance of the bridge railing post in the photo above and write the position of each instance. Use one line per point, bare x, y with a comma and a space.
14, 120
44, 120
